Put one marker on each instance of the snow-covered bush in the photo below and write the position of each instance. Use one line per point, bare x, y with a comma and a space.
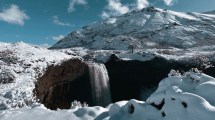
78, 104
7, 76
16, 99
8, 56
3, 105
174, 73
202, 61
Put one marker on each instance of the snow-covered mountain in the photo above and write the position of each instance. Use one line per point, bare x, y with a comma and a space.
178, 96
147, 28
210, 12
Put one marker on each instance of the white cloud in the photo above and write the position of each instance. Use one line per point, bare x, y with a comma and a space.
58, 22
72, 4
45, 45
57, 38
142, 4
13, 15
169, 2
114, 7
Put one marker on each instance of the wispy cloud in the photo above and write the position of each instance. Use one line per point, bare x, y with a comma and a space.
142, 4
169, 2
56, 21
72, 4
13, 15
57, 38
114, 7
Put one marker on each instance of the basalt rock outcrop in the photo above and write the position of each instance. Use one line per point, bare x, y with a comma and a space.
138, 79
62, 84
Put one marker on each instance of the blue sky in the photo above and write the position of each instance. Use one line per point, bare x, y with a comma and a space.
45, 21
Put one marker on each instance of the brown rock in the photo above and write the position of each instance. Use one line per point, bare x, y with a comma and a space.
62, 84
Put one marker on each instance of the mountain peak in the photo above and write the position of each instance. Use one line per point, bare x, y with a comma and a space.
148, 9
149, 27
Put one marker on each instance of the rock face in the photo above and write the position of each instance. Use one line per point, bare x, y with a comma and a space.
60, 85
139, 79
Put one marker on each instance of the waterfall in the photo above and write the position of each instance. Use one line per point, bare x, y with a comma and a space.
99, 84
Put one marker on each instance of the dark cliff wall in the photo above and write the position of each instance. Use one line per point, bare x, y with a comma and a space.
133, 79
62, 84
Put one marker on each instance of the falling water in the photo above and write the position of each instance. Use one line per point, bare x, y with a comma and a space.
100, 84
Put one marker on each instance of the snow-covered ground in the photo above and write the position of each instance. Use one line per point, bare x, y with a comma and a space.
20, 65
180, 97
41, 113
143, 54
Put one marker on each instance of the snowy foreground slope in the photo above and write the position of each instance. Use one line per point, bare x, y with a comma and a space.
147, 28
178, 97
20, 65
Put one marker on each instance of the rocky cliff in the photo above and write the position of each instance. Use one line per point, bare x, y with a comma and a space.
62, 84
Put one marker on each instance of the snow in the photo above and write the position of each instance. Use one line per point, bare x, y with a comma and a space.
183, 100
114, 108
164, 28
194, 89
141, 111
143, 54
152, 32
23, 63
185, 97
42, 113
